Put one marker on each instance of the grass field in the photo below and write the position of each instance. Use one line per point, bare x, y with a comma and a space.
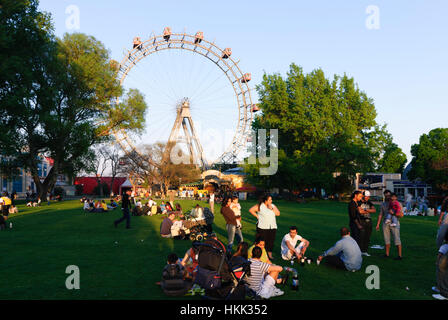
125, 263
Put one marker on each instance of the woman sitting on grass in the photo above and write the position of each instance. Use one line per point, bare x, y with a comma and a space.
13, 209
190, 262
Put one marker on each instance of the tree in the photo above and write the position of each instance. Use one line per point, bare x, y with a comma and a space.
99, 166
325, 129
113, 154
393, 160
56, 94
430, 159
153, 167
386, 155
26, 45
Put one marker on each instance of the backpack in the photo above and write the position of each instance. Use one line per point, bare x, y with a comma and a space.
172, 281
172, 271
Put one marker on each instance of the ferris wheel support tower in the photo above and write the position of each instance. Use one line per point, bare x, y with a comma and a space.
184, 123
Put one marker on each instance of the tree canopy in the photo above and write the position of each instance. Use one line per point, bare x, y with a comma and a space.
430, 159
327, 129
55, 94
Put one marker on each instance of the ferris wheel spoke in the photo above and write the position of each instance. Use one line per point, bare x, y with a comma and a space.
170, 82
142, 81
204, 82
157, 80
213, 96
203, 91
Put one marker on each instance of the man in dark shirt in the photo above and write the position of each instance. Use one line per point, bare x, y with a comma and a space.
365, 210
165, 227
354, 216
125, 206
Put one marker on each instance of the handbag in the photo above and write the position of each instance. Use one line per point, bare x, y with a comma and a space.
209, 279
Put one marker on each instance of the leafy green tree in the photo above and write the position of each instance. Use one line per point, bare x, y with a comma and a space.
386, 156
55, 94
430, 159
326, 128
393, 160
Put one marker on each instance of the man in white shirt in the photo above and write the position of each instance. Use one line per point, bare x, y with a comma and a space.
289, 245
151, 203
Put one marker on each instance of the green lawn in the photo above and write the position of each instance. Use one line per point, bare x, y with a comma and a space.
125, 264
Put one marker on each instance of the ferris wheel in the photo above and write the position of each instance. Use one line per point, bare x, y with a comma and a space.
182, 91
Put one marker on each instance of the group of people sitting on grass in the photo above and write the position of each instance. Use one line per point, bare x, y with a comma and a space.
91, 205
151, 208
178, 225
34, 200
265, 275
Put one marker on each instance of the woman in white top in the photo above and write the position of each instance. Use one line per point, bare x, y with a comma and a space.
265, 212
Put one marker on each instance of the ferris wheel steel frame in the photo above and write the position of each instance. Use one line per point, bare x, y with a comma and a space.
184, 41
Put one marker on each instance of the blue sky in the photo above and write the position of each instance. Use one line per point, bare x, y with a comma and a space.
402, 65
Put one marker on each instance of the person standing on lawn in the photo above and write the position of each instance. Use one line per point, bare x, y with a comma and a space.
212, 202
266, 212
387, 228
442, 272
365, 210
125, 207
231, 223
354, 215
443, 223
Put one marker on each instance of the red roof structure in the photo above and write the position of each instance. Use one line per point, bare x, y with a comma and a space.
247, 189
89, 183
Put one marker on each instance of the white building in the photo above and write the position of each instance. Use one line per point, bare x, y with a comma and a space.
376, 183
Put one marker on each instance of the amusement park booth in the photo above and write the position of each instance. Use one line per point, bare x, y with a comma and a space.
127, 185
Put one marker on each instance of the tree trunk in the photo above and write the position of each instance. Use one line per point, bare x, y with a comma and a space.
43, 187
100, 187
111, 185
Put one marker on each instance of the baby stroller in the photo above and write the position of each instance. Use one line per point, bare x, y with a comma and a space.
209, 218
221, 279
198, 233
197, 229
